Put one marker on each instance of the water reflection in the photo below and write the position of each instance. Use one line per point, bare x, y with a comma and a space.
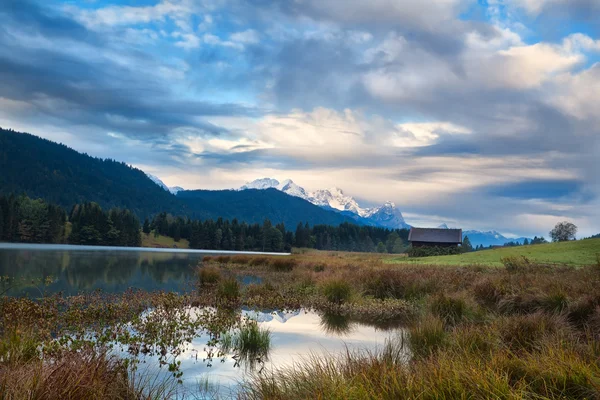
111, 271
336, 324
294, 336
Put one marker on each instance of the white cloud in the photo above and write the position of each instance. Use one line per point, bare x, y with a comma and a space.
188, 41
249, 36
130, 15
579, 94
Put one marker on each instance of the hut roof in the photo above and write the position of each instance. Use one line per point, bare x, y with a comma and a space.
435, 235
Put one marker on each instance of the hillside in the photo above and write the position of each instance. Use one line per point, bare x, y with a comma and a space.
58, 174
580, 252
255, 205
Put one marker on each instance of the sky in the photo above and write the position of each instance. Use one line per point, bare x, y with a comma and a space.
480, 114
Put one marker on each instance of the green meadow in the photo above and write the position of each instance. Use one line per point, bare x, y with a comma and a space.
580, 252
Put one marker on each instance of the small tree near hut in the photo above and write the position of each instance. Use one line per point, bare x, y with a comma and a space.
563, 231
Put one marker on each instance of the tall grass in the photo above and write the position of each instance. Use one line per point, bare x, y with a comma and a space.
554, 371
337, 291
228, 291
208, 276
250, 343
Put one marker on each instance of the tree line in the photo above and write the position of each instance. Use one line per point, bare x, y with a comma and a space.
27, 220
223, 234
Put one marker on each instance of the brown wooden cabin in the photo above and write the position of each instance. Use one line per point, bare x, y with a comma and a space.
430, 237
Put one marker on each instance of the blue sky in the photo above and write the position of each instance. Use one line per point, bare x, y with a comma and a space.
480, 114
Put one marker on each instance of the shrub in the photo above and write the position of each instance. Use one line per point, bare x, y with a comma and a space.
429, 251
427, 336
515, 263
450, 309
337, 291
208, 276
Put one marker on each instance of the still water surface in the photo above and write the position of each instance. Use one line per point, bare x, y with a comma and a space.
74, 269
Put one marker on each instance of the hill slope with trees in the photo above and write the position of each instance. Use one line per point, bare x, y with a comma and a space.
40, 168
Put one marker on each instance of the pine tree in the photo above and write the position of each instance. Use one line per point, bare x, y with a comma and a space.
146, 228
466, 245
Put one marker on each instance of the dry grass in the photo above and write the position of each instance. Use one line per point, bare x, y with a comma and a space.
77, 375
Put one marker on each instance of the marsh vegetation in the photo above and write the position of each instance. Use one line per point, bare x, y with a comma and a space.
531, 331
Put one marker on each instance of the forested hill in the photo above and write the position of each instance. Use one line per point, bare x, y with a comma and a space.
253, 206
60, 175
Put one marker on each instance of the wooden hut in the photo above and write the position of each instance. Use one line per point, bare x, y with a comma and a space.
430, 237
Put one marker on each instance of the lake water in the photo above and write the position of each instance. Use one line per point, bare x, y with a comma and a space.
75, 269
295, 336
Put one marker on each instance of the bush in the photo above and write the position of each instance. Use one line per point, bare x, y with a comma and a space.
429, 251
337, 291
208, 276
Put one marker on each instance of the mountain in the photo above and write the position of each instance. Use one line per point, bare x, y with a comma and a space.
387, 215
443, 226
260, 184
58, 174
254, 205
156, 179
490, 238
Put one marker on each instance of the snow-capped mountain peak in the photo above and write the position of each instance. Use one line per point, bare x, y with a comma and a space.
261, 184
288, 186
334, 198
443, 226
156, 179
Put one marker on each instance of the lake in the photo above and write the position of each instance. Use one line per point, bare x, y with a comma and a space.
75, 269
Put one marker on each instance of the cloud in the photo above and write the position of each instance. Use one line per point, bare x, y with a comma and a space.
478, 113
249, 36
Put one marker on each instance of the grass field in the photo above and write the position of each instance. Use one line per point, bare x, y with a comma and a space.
580, 252
163, 242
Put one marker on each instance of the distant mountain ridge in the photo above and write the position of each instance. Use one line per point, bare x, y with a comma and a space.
387, 216
486, 239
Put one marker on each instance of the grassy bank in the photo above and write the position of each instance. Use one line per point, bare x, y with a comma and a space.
580, 252
477, 332
149, 240
471, 332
